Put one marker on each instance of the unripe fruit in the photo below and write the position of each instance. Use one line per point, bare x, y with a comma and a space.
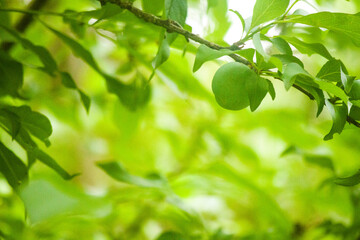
229, 85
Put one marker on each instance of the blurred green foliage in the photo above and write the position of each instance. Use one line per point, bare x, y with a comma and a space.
165, 161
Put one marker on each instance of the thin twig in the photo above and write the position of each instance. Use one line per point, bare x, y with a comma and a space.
172, 26
353, 121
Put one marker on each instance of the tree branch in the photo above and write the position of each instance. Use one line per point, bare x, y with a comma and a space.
172, 26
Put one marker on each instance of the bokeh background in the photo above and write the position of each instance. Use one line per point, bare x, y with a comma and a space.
226, 173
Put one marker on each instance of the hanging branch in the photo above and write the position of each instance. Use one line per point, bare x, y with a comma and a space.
173, 26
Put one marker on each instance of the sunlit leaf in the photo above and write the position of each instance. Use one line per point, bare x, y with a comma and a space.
282, 45
290, 72
162, 54
339, 116
153, 6
332, 88
205, 54
106, 11
212, 3
242, 20
330, 71
347, 81
266, 10
256, 90
271, 90
176, 10
258, 46
308, 48
343, 23
286, 59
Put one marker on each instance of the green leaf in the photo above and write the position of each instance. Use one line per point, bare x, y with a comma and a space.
308, 48
51, 163
348, 181
171, 236
332, 88
271, 89
176, 10
320, 160
152, 6
339, 115
204, 54
356, 103
118, 172
13, 169
105, 12
69, 82
276, 62
12, 75
257, 89
43, 54
85, 99
290, 72
282, 46
212, 4
319, 98
330, 71
76, 48
242, 20
286, 59
36, 123
346, 80
266, 10
355, 112
132, 96
247, 53
12, 121
75, 21
343, 23
162, 54
355, 90
258, 46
